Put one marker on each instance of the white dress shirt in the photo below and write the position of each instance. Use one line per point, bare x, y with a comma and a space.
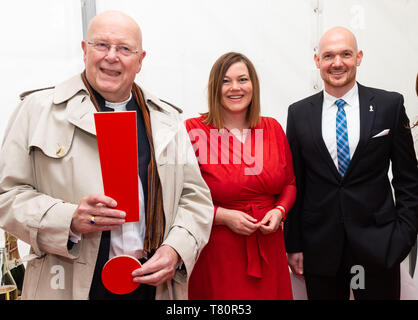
329, 121
127, 239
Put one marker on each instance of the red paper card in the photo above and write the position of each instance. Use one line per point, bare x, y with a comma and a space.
117, 274
118, 150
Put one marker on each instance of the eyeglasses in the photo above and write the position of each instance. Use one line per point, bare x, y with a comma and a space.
102, 46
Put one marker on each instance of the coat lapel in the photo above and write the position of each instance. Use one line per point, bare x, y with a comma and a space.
81, 113
163, 127
367, 115
316, 131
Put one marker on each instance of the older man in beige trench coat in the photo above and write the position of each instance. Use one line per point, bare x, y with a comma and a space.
50, 169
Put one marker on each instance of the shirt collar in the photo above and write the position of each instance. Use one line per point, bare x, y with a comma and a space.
118, 106
350, 98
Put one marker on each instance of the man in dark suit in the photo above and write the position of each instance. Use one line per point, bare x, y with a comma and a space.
346, 228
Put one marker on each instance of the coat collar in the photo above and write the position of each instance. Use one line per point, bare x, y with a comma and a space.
80, 109
80, 112
71, 87
68, 89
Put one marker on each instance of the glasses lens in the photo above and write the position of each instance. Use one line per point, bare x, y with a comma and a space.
101, 46
123, 50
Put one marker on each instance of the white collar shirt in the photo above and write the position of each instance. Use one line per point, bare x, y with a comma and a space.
329, 115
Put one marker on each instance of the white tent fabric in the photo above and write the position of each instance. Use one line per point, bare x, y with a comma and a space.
41, 47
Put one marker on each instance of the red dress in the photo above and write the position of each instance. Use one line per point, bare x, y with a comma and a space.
257, 175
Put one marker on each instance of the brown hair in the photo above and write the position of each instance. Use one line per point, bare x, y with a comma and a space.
217, 74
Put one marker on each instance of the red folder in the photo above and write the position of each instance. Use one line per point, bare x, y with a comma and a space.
118, 150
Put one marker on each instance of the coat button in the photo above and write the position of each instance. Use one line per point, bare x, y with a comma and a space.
60, 152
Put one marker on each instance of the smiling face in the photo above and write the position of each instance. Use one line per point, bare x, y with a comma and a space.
337, 60
237, 89
112, 74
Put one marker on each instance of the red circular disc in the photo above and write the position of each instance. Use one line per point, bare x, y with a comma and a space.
117, 274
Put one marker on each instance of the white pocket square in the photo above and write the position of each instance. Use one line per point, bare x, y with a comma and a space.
382, 133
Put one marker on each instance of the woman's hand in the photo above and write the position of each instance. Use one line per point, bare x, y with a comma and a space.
238, 221
271, 221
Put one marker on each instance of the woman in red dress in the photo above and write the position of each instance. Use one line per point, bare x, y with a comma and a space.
246, 162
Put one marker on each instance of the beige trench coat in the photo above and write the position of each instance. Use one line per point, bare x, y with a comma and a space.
49, 161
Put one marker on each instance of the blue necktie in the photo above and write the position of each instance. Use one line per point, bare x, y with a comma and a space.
343, 148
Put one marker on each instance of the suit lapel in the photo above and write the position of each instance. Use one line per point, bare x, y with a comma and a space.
316, 131
367, 115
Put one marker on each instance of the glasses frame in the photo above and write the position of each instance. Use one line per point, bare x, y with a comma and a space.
108, 46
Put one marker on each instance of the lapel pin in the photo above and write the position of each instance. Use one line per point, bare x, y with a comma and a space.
371, 109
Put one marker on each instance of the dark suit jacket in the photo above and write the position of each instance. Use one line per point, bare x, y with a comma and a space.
357, 210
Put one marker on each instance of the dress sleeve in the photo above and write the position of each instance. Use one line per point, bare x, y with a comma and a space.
214, 213
287, 197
